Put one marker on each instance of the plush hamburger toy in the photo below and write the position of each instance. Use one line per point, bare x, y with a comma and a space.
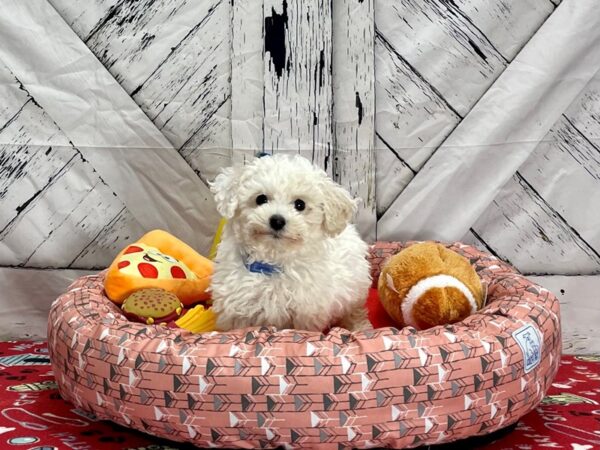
155, 306
152, 306
427, 284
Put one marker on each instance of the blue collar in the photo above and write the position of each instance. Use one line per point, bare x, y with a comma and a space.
262, 268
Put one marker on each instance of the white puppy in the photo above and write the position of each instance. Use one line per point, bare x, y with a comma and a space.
288, 257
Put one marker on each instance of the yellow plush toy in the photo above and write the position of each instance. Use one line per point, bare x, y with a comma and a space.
427, 284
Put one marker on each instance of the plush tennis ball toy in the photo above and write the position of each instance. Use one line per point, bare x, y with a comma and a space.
427, 284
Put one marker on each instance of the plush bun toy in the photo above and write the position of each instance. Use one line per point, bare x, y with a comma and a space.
152, 306
155, 306
427, 284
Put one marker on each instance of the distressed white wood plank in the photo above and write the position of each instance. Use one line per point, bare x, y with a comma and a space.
412, 120
193, 81
412, 117
507, 24
412, 114
523, 229
209, 148
563, 167
133, 39
354, 106
13, 97
56, 225
108, 242
580, 313
26, 169
474, 239
247, 78
584, 113
22, 120
501, 131
297, 77
26, 298
110, 130
59, 48
43, 180
445, 48
85, 15
175, 62
27, 156
392, 175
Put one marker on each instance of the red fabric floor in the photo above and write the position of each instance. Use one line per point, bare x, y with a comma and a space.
33, 416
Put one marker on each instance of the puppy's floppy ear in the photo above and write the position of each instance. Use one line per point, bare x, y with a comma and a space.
338, 207
224, 188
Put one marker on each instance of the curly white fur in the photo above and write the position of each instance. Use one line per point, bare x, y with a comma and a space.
324, 277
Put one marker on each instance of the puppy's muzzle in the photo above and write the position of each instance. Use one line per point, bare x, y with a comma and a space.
277, 222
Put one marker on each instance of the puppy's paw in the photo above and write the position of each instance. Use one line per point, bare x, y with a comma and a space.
356, 320
226, 322
361, 325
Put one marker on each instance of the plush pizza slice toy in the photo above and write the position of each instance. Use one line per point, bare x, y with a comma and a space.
159, 260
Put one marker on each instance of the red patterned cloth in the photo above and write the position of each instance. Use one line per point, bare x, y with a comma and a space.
33, 416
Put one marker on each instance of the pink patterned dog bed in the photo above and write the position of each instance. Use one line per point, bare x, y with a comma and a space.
263, 388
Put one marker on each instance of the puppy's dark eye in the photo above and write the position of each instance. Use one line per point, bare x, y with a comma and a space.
299, 205
262, 199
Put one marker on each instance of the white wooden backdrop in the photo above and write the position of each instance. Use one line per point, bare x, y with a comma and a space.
472, 120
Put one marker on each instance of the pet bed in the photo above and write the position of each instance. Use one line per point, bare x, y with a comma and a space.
264, 388
32, 412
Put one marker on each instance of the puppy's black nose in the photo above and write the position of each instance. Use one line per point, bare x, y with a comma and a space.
277, 222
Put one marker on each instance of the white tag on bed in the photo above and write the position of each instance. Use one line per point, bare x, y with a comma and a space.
530, 343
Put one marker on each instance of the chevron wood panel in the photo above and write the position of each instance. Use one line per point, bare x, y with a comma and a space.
113, 134
53, 205
507, 25
522, 228
535, 223
412, 119
545, 220
444, 46
392, 175
173, 58
284, 77
429, 76
565, 167
152, 27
